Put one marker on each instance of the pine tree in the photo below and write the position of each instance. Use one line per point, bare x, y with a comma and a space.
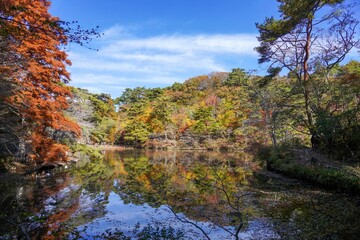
309, 33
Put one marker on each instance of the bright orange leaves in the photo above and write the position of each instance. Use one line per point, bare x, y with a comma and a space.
36, 38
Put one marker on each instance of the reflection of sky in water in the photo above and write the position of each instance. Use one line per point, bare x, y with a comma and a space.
125, 217
52, 204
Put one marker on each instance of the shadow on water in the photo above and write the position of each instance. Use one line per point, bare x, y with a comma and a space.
171, 195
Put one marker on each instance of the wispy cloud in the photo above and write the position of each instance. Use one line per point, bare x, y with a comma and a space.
234, 44
126, 60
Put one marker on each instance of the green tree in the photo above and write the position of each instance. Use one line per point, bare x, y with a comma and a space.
136, 133
236, 77
131, 95
135, 119
160, 116
204, 119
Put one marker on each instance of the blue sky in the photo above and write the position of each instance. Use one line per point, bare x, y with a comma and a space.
154, 43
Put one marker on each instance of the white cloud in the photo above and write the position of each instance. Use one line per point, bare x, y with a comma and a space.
125, 60
233, 44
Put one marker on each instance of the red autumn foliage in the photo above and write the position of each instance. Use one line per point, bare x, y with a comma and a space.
36, 39
212, 100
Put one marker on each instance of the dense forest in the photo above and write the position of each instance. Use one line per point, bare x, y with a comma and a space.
309, 99
229, 111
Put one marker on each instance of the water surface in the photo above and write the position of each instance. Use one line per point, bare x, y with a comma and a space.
172, 195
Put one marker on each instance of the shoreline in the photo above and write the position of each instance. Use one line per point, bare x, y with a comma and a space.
108, 147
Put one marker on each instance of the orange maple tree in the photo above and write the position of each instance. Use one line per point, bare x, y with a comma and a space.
37, 38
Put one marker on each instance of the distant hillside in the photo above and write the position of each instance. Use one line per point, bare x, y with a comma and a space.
235, 110
215, 111
239, 110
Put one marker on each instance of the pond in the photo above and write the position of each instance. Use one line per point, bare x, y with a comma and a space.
137, 194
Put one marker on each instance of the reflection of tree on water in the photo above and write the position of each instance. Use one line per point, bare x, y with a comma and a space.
49, 206
177, 194
218, 197
25, 212
204, 190
224, 193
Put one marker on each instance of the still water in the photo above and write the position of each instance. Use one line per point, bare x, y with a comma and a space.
171, 195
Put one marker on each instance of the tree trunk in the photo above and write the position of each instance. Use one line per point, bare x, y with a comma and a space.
310, 121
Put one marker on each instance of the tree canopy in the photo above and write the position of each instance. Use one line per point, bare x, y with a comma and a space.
33, 73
